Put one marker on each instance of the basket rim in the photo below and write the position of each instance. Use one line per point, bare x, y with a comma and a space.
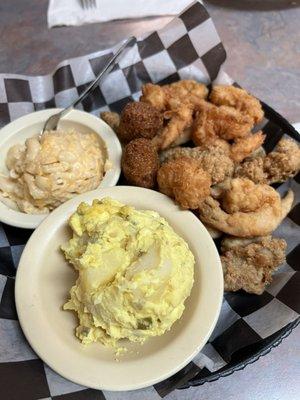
243, 364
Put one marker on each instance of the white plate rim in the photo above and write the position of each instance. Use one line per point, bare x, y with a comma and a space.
21, 275
114, 149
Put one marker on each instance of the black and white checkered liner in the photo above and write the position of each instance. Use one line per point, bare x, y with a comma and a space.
188, 47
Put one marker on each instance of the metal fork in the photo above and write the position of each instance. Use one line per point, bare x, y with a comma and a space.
86, 4
52, 122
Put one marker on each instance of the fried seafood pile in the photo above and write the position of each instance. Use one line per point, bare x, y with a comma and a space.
222, 172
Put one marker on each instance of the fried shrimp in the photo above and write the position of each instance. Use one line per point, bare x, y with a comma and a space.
245, 219
111, 118
170, 97
238, 98
220, 122
184, 137
243, 147
245, 196
214, 160
184, 180
154, 95
179, 120
249, 266
186, 91
178, 101
278, 166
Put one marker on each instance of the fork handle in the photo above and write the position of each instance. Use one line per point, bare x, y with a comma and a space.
109, 66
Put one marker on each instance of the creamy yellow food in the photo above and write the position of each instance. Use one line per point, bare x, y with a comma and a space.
134, 273
45, 173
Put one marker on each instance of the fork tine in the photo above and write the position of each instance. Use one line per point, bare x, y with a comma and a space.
82, 3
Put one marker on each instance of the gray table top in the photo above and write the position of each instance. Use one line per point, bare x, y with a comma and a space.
261, 38
262, 41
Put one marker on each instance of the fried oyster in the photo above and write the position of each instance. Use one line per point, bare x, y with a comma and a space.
278, 166
214, 125
214, 160
239, 99
249, 265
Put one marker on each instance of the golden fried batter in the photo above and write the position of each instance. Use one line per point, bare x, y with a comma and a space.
239, 99
179, 120
231, 242
252, 169
178, 101
140, 163
170, 97
214, 160
245, 196
184, 137
260, 220
242, 148
186, 91
185, 180
220, 122
111, 118
218, 143
278, 166
154, 95
284, 162
250, 266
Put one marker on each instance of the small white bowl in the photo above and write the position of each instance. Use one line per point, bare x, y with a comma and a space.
29, 125
44, 279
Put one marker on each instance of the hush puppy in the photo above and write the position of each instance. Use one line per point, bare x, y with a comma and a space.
139, 120
140, 163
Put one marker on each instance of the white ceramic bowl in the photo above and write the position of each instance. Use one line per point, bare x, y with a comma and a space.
29, 125
44, 279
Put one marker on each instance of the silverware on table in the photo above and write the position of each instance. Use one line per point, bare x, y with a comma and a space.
52, 122
86, 4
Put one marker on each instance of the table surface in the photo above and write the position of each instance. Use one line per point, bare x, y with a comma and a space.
262, 42
262, 45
